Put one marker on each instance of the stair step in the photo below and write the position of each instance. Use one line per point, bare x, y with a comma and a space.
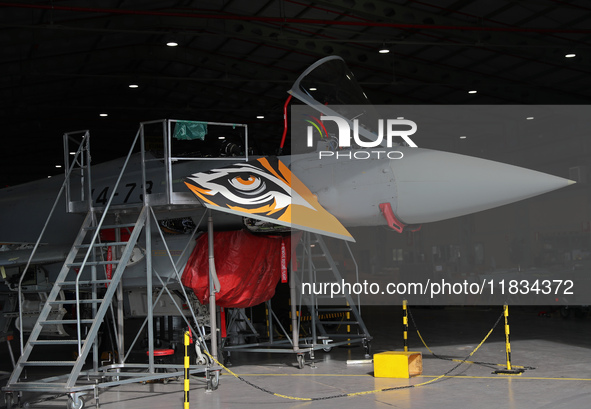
340, 309
84, 282
336, 322
335, 296
84, 301
49, 363
55, 342
52, 322
113, 243
93, 263
35, 386
111, 226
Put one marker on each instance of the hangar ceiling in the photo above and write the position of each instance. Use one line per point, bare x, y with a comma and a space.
63, 63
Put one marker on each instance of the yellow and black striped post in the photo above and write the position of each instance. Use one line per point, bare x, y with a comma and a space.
187, 361
405, 324
348, 316
507, 336
509, 370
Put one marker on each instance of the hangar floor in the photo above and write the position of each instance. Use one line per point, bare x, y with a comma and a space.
558, 349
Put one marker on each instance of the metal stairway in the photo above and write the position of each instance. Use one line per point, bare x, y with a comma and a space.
75, 275
85, 261
314, 262
336, 318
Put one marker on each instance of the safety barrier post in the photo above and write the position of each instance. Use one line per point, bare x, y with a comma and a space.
509, 370
267, 317
348, 317
186, 400
405, 324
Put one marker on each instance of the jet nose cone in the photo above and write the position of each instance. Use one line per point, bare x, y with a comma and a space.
434, 185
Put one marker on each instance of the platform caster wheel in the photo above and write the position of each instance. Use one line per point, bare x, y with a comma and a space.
564, 312
9, 400
72, 404
367, 347
327, 349
301, 361
214, 380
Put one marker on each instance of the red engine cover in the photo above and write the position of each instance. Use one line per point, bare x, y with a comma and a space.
248, 267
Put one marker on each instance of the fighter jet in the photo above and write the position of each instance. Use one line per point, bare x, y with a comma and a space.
364, 172
319, 190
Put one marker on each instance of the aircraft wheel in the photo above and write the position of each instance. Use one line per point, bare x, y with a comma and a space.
301, 361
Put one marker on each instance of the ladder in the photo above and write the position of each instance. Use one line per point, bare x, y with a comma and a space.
336, 318
78, 276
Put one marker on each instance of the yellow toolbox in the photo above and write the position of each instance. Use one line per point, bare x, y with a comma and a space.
397, 364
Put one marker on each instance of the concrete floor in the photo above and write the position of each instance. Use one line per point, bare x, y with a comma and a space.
558, 349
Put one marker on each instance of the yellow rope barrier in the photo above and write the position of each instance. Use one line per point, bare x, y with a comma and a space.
364, 392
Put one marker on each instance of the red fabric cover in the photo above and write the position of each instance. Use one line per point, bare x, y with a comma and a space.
109, 234
248, 267
161, 352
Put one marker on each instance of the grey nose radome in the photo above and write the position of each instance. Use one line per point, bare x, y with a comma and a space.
434, 185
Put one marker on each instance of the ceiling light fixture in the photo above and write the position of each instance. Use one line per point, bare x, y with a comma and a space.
172, 43
260, 117
103, 115
472, 91
133, 86
570, 55
463, 137
58, 166
529, 118
384, 50
313, 89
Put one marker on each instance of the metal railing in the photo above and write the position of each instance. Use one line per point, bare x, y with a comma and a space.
79, 184
65, 187
170, 196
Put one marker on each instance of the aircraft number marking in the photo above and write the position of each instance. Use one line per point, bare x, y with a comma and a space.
132, 187
103, 196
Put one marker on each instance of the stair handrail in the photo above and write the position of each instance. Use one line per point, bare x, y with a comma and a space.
95, 236
356, 273
84, 143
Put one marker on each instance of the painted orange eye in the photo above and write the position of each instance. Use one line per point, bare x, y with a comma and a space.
249, 184
248, 181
